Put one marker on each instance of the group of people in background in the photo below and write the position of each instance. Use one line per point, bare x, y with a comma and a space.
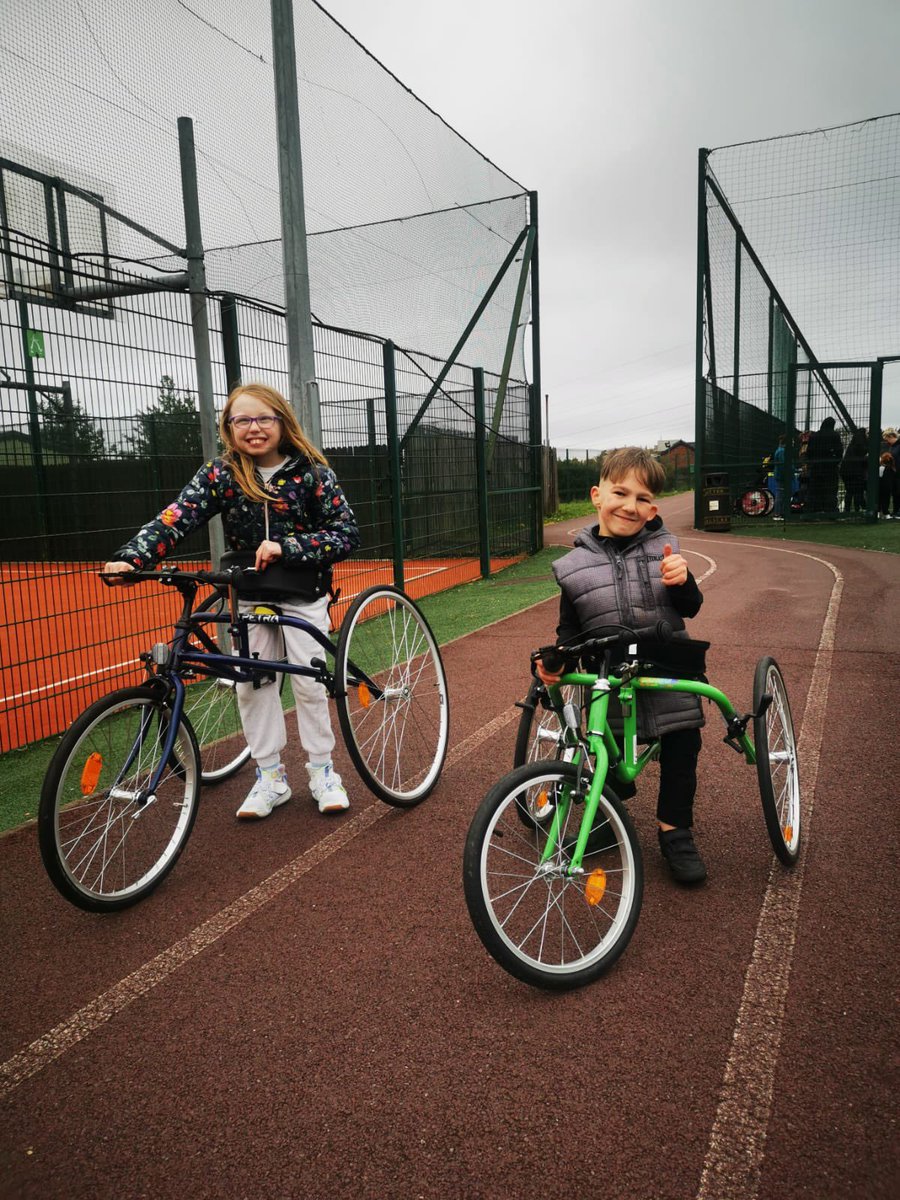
822, 464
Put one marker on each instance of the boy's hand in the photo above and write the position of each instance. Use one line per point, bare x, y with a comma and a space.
673, 568
547, 678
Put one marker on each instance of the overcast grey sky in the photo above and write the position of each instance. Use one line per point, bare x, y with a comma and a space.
601, 106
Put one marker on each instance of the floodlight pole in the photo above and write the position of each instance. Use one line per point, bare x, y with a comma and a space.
304, 390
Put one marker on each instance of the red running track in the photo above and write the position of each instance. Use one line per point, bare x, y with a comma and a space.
303, 1010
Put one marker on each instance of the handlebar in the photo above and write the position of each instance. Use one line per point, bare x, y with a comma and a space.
176, 577
554, 657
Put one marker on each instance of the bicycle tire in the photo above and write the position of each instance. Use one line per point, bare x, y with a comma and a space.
211, 706
398, 738
776, 761
540, 924
103, 844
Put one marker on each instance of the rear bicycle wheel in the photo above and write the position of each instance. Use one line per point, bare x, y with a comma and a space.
392, 697
543, 925
539, 737
211, 706
105, 840
776, 761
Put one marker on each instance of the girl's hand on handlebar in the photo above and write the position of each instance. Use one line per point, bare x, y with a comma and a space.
673, 568
267, 552
116, 569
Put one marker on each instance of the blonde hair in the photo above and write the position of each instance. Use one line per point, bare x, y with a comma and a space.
619, 463
292, 437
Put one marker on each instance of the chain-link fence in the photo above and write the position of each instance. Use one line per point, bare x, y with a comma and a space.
798, 310
86, 459
414, 237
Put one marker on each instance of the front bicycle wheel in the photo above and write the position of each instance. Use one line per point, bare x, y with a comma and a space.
776, 761
391, 694
106, 840
543, 925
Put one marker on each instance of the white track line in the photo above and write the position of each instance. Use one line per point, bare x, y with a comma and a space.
733, 1163
52, 1045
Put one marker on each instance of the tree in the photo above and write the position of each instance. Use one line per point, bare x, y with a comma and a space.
66, 430
170, 427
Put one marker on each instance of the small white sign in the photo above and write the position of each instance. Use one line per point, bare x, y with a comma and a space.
713, 506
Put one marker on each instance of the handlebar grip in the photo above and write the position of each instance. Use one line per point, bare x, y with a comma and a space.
661, 631
552, 659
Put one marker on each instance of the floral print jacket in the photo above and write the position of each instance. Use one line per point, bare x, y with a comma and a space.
308, 515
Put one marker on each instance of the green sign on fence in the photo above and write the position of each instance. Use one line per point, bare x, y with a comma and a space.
34, 340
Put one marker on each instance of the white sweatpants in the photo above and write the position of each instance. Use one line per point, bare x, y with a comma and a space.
261, 712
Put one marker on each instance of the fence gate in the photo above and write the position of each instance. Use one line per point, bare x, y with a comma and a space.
835, 407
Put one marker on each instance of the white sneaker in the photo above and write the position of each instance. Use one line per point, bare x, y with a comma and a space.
270, 790
327, 789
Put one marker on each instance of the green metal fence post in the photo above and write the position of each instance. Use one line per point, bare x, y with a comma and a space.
790, 451
231, 341
394, 459
484, 542
877, 383
536, 382
700, 381
510, 343
34, 429
737, 447
196, 272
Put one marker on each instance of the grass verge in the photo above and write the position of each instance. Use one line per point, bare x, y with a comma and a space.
450, 614
883, 535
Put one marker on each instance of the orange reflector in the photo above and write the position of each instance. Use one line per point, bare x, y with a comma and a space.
788, 832
365, 696
91, 773
595, 886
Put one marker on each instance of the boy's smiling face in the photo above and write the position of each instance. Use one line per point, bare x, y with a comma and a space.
624, 506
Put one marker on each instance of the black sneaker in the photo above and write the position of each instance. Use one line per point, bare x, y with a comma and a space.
683, 857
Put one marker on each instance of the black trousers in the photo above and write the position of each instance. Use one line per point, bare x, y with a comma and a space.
678, 756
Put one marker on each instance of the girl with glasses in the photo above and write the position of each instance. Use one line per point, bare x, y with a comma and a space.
282, 506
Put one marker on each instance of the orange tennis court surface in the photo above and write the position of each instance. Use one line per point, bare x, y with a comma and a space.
67, 639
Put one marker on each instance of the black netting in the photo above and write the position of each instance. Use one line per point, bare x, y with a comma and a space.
800, 254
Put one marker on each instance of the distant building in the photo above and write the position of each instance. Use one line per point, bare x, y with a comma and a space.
15, 449
678, 460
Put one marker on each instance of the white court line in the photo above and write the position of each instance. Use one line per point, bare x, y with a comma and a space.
52, 1045
733, 1163
59, 683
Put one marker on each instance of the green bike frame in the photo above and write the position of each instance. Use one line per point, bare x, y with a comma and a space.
600, 746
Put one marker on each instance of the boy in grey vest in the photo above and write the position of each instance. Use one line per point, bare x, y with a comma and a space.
627, 570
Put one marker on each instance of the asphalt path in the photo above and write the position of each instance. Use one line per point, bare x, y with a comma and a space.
303, 1010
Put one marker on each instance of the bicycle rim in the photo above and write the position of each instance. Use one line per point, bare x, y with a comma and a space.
392, 696
543, 925
211, 706
105, 841
776, 762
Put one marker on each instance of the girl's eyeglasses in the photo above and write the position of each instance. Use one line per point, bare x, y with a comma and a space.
265, 422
